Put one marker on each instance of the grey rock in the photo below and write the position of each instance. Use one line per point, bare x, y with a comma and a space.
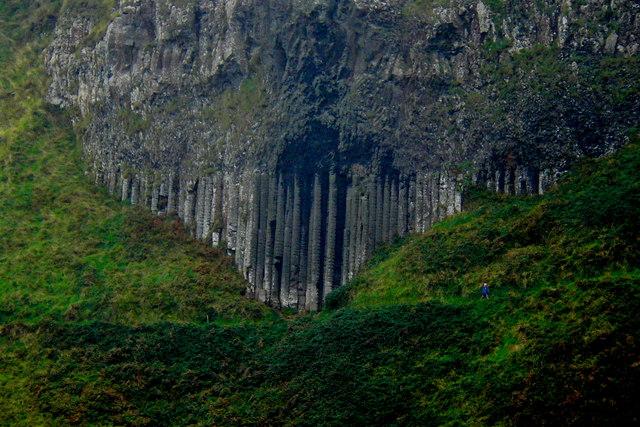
300, 135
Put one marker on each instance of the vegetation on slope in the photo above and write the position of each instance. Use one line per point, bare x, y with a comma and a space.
68, 252
111, 316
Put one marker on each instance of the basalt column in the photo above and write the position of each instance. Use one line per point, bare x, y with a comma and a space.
304, 270
288, 294
386, 209
357, 254
113, 180
270, 237
402, 208
295, 272
420, 203
189, 203
124, 188
371, 221
296, 238
353, 230
216, 213
135, 190
411, 204
263, 189
393, 212
315, 248
346, 238
379, 210
171, 194
182, 195
434, 197
251, 251
155, 196
208, 196
145, 192
278, 245
200, 197
330, 239
234, 199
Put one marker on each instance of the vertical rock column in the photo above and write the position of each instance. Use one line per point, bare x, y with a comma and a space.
363, 215
458, 194
288, 294
411, 205
125, 189
236, 190
315, 248
304, 264
278, 242
491, 178
357, 234
386, 211
371, 220
206, 208
135, 190
346, 237
393, 212
233, 217
262, 206
270, 238
402, 208
171, 194
200, 195
251, 254
189, 203
419, 209
295, 276
155, 195
113, 180
451, 195
379, 210
295, 250
216, 212
434, 197
144, 196
330, 240
142, 192
353, 230
500, 180
182, 198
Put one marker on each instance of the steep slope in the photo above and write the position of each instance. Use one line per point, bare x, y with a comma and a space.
109, 315
68, 252
301, 135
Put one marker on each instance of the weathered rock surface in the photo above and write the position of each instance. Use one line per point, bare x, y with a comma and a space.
302, 134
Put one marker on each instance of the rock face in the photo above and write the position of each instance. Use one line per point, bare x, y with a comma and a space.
302, 134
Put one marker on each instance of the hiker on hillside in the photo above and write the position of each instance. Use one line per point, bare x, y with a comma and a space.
485, 291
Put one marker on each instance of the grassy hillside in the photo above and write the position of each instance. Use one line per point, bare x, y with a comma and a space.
68, 253
110, 316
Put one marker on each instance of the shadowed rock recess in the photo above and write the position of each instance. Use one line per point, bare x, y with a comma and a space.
300, 135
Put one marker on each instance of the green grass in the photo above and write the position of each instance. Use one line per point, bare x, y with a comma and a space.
69, 251
558, 335
581, 229
109, 316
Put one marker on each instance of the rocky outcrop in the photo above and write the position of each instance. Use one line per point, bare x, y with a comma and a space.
301, 135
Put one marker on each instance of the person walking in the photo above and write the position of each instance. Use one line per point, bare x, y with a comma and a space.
485, 291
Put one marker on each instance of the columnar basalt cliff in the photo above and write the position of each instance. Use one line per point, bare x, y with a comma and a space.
300, 135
